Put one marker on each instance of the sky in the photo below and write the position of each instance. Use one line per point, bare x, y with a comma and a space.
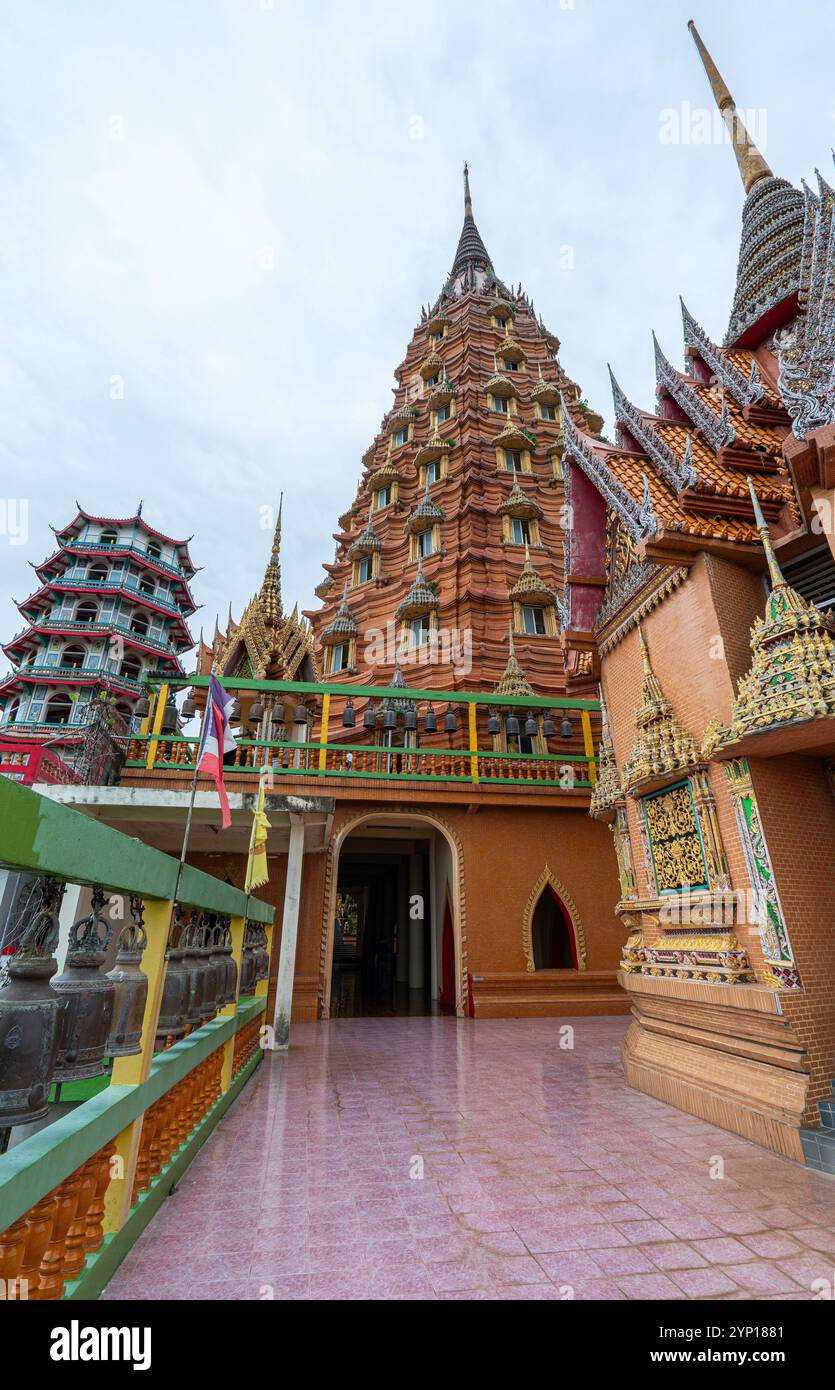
221, 218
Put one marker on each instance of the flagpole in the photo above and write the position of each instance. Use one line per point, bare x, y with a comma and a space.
187, 831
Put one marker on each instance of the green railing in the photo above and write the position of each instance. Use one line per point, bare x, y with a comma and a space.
471, 752
75, 1195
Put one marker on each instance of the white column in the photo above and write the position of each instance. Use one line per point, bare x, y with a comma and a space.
289, 935
416, 924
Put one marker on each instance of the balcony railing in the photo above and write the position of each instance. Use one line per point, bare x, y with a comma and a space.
101, 627
77, 582
469, 754
125, 548
77, 673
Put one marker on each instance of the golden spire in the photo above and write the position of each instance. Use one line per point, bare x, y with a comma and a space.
270, 595
752, 167
513, 681
775, 573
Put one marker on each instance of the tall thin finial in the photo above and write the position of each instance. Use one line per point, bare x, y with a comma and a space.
277, 533
468, 202
752, 166
512, 651
775, 573
644, 651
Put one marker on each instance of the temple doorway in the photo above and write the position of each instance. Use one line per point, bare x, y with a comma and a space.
393, 942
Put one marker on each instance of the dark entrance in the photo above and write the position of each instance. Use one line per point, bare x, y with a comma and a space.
382, 954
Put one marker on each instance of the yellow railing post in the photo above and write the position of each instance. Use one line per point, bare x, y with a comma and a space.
588, 743
471, 710
238, 925
159, 713
132, 1071
326, 714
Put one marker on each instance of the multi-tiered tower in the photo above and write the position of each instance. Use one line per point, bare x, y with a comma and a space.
111, 604
456, 535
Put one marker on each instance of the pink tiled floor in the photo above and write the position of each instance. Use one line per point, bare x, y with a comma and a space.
543, 1173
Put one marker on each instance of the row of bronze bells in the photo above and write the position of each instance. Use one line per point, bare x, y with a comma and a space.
201, 977
255, 960
60, 1027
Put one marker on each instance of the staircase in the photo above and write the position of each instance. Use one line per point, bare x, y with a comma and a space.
819, 1144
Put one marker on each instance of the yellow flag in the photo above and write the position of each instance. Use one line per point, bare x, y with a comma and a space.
257, 871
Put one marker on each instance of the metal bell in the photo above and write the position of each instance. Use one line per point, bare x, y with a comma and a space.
300, 714
549, 728
369, 718
430, 722
493, 724
88, 997
142, 707
173, 1011
188, 708
30, 1010
530, 726
389, 718
217, 960
512, 726
195, 964
566, 727
210, 966
349, 715
256, 711
131, 987
410, 719
450, 721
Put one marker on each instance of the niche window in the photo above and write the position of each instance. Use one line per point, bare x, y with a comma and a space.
533, 620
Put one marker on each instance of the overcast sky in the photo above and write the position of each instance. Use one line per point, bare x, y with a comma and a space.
237, 207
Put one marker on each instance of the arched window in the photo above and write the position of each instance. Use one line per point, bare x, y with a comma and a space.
98, 572
86, 612
109, 537
139, 624
552, 937
147, 586
73, 656
131, 667
12, 711
59, 709
154, 550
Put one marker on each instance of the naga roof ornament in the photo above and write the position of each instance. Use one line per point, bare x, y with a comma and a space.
639, 522
718, 432
747, 390
678, 472
806, 352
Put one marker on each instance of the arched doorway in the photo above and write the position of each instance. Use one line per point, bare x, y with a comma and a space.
392, 939
552, 937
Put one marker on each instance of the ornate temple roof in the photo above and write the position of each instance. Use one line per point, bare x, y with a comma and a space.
662, 745
513, 680
518, 503
768, 272
425, 514
344, 624
420, 597
367, 540
266, 643
530, 586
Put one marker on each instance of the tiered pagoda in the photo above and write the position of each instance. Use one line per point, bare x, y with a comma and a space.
456, 531
111, 605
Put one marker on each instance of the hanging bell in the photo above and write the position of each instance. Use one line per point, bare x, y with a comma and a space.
530, 725
256, 711
29, 1009
169, 717
410, 719
131, 987
493, 725
173, 1013
389, 717
512, 726
188, 708
217, 960
369, 718
450, 721
566, 727
262, 956
195, 965
549, 728
88, 997
235, 711
142, 708
230, 989
248, 965
349, 715
212, 986
300, 715
430, 722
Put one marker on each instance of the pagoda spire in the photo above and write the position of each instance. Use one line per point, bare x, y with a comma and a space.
470, 245
270, 594
752, 166
775, 573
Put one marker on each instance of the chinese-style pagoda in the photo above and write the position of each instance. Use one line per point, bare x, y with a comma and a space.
111, 605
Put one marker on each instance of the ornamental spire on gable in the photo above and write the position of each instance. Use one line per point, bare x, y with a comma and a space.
471, 248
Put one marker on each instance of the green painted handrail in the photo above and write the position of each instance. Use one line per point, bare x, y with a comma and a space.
46, 837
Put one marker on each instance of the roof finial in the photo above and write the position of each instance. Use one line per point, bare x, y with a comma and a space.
512, 649
752, 166
468, 202
775, 573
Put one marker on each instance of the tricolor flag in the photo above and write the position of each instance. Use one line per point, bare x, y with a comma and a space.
216, 739
257, 871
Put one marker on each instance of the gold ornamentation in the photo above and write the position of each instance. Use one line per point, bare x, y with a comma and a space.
662, 744
675, 843
513, 681
607, 794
